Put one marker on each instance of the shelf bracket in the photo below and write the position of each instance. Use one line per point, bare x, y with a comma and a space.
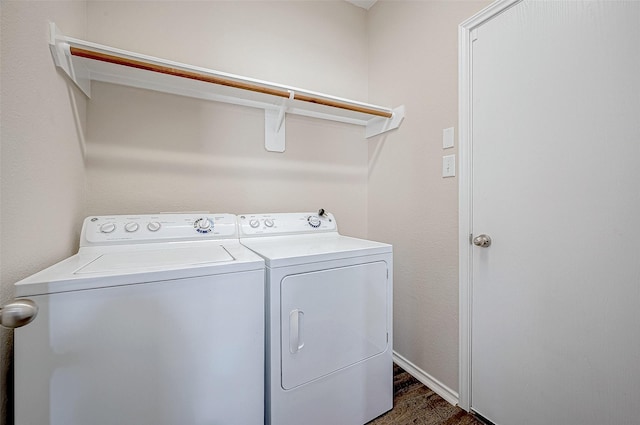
380, 125
61, 52
274, 126
274, 137
283, 109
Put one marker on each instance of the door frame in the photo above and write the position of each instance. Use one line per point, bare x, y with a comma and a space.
467, 32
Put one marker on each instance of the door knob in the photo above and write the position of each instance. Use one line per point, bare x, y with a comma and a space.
482, 241
18, 313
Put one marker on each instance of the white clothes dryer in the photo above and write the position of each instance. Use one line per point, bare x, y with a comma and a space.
329, 320
157, 320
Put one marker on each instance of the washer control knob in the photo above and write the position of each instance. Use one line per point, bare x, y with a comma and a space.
154, 226
131, 227
254, 223
268, 222
108, 227
314, 221
203, 225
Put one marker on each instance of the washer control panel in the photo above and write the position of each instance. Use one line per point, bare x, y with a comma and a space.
250, 225
114, 229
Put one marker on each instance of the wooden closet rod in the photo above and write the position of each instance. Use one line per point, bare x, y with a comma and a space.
119, 60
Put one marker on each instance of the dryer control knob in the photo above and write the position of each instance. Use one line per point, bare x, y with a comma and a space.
154, 226
254, 223
268, 222
108, 227
314, 221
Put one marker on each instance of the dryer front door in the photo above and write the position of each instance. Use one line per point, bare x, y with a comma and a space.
331, 319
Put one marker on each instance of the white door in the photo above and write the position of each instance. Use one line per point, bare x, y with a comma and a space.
555, 138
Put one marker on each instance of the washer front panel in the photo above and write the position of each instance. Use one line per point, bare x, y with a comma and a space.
186, 351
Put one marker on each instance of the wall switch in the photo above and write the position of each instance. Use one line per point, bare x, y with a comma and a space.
449, 166
447, 138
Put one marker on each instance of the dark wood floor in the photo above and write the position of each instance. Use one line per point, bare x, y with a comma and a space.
415, 404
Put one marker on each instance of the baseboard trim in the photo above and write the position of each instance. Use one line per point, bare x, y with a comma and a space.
438, 387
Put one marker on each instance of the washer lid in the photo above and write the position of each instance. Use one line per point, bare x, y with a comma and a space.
127, 261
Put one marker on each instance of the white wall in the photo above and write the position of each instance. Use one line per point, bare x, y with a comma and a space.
42, 170
413, 60
150, 152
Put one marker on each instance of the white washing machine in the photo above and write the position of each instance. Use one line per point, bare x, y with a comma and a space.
158, 320
329, 320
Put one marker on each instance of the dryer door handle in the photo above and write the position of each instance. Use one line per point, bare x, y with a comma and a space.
295, 330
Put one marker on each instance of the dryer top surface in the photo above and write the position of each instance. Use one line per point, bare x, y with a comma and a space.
290, 250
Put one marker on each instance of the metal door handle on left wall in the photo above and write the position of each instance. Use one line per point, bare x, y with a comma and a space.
18, 313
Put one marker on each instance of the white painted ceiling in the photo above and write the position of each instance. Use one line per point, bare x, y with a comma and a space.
365, 4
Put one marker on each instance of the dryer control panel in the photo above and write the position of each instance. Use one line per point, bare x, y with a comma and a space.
149, 228
276, 224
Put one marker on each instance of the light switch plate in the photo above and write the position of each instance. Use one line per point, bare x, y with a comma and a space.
449, 166
448, 135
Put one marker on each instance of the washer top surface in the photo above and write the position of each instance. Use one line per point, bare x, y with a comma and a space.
183, 246
300, 238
